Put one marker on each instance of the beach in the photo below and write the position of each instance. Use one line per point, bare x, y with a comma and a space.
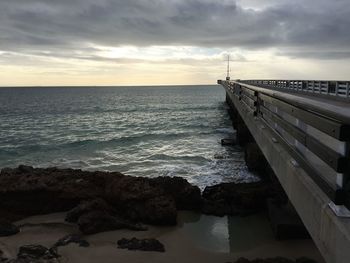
183, 243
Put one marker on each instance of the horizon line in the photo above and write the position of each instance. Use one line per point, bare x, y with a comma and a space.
107, 86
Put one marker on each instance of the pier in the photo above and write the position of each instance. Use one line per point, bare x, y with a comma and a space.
303, 131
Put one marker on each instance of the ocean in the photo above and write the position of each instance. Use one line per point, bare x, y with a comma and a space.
139, 131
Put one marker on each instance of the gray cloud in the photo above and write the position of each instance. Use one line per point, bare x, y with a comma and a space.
65, 26
323, 55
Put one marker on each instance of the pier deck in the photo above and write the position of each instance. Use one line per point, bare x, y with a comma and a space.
303, 130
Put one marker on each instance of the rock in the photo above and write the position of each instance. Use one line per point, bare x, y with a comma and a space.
228, 142
141, 244
6, 171
130, 189
236, 199
2, 257
27, 191
242, 260
305, 260
25, 169
142, 200
219, 156
156, 211
86, 207
35, 253
99, 221
77, 239
268, 260
8, 229
275, 260
187, 196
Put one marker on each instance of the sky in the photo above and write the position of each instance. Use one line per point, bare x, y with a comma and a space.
163, 42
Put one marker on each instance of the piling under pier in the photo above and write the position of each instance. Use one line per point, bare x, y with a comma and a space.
313, 203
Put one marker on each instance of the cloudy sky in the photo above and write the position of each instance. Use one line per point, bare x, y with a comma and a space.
144, 42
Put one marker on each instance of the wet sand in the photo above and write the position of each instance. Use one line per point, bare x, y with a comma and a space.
196, 238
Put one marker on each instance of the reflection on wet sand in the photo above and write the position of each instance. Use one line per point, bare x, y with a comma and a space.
242, 235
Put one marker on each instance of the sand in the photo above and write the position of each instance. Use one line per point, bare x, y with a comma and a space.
197, 238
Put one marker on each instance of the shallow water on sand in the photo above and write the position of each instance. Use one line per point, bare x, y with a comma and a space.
243, 235
196, 238
227, 233
140, 131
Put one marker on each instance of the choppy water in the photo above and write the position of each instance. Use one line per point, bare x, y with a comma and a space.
140, 131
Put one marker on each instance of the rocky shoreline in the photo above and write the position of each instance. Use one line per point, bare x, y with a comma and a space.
27, 191
106, 201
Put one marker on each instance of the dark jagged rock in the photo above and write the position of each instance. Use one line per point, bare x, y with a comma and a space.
268, 260
275, 260
242, 260
86, 207
142, 201
25, 169
8, 229
141, 244
35, 253
236, 199
99, 221
187, 196
27, 191
305, 260
2, 257
32, 251
77, 239
228, 142
156, 211
96, 216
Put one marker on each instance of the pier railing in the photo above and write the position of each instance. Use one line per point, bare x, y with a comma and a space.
316, 136
335, 89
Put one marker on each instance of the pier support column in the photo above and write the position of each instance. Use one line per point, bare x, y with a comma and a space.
255, 159
243, 134
285, 221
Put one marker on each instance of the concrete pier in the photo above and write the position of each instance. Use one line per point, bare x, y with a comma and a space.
305, 139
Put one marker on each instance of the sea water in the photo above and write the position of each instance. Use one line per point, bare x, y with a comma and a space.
139, 131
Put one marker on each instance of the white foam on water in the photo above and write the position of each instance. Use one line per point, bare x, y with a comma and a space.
147, 131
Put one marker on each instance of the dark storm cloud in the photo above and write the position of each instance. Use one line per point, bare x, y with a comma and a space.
65, 26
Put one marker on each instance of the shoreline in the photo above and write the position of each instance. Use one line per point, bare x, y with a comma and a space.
220, 224
180, 244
